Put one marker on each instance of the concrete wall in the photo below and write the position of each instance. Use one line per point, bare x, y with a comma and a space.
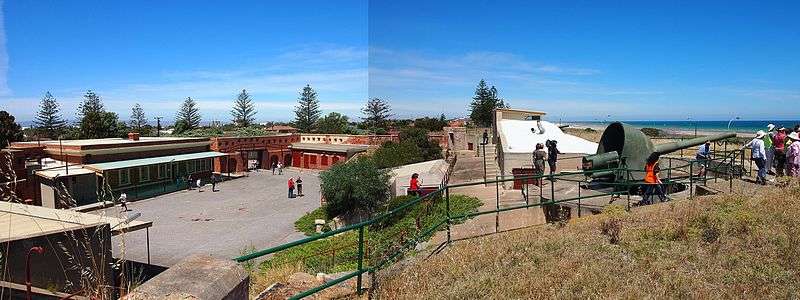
197, 277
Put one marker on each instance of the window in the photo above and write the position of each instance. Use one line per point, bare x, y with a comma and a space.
209, 164
125, 177
144, 174
190, 166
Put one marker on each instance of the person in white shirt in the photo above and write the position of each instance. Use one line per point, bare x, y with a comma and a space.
703, 153
759, 156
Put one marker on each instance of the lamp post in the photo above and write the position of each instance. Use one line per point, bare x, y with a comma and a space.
158, 126
731, 121
484, 142
694, 123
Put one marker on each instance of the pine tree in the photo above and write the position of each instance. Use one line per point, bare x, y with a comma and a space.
376, 113
483, 104
244, 111
189, 114
138, 119
10, 131
93, 121
48, 120
307, 110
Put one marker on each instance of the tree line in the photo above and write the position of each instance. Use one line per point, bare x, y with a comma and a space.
94, 121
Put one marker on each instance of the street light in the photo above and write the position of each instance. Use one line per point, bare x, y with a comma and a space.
731, 121
694, 122
484, 142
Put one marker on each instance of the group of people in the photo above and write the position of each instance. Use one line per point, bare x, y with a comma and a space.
776, 152
540, 156
295, 184
277, 166
199, 183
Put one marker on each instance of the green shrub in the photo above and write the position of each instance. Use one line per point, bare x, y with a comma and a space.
355, 188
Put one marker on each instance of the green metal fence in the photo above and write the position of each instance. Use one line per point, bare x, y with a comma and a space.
680, 171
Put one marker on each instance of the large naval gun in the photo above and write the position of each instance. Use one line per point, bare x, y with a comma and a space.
622, 142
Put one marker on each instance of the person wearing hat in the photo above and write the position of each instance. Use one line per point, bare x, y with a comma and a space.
779, 143
539, 157
758, 155
769, 149
793, 156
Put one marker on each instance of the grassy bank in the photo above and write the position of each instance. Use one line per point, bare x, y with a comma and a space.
340, 252
727, 246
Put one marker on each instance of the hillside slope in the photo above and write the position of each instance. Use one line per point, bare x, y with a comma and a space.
727, 246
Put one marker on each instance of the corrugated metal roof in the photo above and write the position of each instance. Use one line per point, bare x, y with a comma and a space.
24, 221
152, 161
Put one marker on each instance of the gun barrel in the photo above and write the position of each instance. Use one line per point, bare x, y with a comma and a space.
675, 146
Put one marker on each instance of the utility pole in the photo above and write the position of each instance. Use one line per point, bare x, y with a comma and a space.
158, 126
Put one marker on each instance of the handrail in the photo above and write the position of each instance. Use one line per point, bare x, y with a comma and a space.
443, 191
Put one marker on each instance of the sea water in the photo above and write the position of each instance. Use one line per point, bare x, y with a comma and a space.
688, 125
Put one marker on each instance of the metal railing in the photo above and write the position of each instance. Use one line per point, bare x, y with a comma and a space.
625, 188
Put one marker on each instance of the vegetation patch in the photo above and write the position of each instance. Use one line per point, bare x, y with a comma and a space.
723, 246
340, 252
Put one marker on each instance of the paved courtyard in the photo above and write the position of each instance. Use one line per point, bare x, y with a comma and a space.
247, 212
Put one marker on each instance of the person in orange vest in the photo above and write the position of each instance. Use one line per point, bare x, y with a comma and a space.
652, 181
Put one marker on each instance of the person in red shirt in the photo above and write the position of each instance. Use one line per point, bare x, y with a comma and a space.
413, 188
652, 181
291, 187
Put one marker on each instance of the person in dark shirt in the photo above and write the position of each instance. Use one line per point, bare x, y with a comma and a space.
552, 155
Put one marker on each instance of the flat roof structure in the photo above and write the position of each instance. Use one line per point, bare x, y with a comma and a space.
340, 148
122, 164
113, 145
21, 221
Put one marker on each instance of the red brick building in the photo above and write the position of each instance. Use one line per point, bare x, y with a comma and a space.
323, 156
259, 152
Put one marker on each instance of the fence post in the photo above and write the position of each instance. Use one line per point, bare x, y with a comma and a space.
579, 199
447, 203
360, 258
497, 204
691, 181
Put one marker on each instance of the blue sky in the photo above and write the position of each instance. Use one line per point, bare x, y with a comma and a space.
160, 52
575, 60
587, 59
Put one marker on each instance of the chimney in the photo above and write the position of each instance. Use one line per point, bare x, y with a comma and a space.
133, 136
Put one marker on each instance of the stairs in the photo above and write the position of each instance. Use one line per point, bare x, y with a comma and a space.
492, 169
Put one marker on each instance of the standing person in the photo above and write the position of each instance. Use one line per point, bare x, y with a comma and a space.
793, 156
769, 150
189, 182
299, 183
539, 156
652, 181
213, 183
274, 165
779, 144
291, 187
552, 155
758, 156
703, 153
413, 185
280, 169
199, 185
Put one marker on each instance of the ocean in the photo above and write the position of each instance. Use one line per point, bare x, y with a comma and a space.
736, 125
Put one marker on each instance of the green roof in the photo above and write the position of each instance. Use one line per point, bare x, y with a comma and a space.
122, 164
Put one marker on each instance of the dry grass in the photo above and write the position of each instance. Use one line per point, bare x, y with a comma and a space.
727, 246
260, 279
